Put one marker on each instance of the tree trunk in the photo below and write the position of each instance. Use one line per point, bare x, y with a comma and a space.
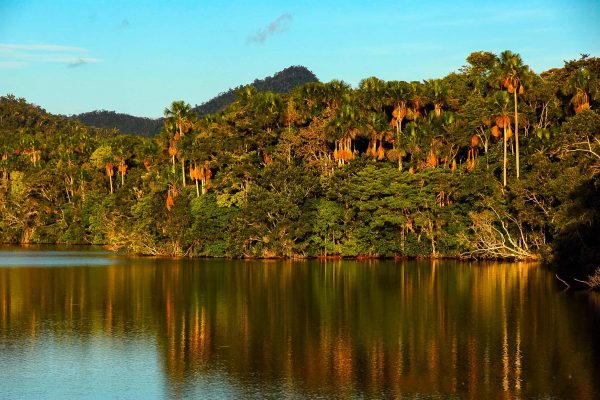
504, 167
197, 190
111, 185
67, 190
183, 171
516, 132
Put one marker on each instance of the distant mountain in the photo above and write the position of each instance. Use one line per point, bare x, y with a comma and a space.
282, 82
123, 122
18, 119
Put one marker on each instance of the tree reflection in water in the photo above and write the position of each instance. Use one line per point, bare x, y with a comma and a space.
310, 328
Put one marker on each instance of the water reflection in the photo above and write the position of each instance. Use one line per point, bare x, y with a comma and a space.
336, 329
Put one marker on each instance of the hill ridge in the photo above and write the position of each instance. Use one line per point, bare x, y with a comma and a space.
280, 82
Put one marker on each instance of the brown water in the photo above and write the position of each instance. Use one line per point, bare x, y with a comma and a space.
91, 324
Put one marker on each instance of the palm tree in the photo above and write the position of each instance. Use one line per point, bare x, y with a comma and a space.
437, 92
345, 123
179, 118
512, 73
122, 168
372, 93
110, 172
579, 86
399, 93
372, 97
416, 99
202, 174
374, 127
502, 120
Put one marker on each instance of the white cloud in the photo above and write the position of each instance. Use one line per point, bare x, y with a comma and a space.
20, 55
41, 47
12, 64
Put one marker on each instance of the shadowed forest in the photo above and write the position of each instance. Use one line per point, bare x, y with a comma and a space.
494, 161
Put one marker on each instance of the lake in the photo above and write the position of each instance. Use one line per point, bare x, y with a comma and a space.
86, 323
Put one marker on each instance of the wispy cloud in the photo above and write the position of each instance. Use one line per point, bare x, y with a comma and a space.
279, 25
81, 61
4, 47
20, 55
12, 64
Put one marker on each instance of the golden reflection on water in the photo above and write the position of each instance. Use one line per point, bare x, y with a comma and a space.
323, 328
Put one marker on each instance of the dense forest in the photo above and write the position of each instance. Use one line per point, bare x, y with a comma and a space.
491, 162
124, 123
282, 82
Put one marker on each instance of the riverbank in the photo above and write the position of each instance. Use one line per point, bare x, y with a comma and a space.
576, 281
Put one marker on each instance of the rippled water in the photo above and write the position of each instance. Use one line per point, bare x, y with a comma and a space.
80, 323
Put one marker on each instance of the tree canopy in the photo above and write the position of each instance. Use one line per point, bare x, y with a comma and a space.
387, 169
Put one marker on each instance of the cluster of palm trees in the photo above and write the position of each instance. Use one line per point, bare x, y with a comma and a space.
422, 123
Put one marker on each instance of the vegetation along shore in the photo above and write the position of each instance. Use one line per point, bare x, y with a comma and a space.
494, 161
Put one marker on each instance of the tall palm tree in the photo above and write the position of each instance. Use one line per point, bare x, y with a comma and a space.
399, 94
180, 118
501, 106
372, 97
345, 125
512, 72
110, 172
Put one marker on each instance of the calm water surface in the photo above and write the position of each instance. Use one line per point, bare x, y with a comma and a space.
80, 323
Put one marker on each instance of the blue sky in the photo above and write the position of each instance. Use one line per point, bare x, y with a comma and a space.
138, 56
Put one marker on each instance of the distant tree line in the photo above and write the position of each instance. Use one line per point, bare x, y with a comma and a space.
124, 123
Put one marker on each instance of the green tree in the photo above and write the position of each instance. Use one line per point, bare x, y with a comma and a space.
179, 120
103, 158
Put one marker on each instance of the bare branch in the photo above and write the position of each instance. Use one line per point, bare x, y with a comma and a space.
558, 277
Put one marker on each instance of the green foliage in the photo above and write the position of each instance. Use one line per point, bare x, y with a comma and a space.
388, 169
101, 156
210, 231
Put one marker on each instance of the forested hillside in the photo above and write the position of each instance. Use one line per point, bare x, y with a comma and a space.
282, 82
124, 123
494, 161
